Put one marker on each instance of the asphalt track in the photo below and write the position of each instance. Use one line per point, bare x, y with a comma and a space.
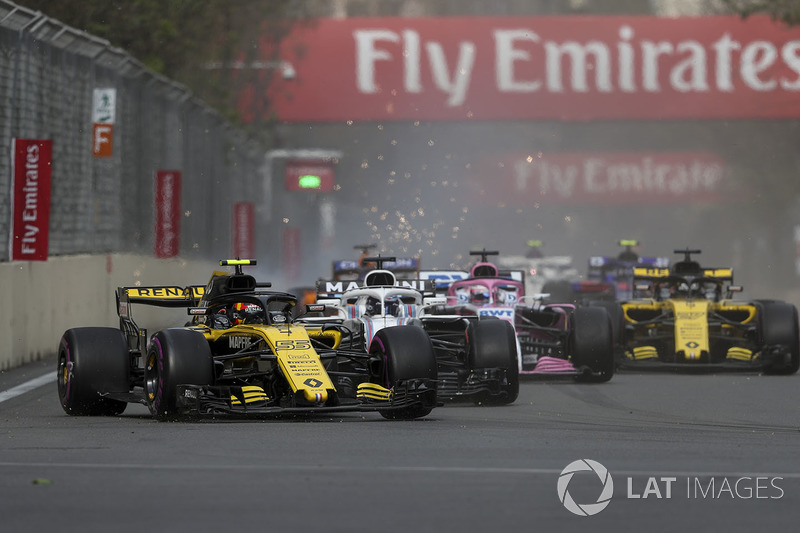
685, 452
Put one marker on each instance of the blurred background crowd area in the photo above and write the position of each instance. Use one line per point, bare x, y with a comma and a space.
429, 188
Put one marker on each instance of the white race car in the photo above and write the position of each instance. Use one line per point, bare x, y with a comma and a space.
477, 358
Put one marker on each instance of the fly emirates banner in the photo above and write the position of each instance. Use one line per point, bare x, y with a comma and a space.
548, 68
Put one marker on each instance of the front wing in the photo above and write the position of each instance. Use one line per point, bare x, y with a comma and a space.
214, 400
464, 385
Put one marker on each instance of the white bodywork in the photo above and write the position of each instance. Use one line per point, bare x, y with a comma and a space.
541, 270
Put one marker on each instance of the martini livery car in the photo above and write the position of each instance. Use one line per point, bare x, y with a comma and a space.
477, 359
241, 353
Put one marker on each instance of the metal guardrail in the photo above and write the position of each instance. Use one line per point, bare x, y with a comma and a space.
48, 72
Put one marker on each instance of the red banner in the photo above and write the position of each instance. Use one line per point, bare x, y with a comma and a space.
243, 226
167, 213
603, 178
572, 68
30, 193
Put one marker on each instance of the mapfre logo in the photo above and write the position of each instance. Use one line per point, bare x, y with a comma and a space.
585, 509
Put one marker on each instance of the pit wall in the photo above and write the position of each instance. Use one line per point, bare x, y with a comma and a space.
49, 297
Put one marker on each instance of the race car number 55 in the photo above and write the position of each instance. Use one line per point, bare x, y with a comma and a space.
293, 345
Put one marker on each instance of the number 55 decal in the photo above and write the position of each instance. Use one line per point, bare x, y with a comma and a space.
293, 345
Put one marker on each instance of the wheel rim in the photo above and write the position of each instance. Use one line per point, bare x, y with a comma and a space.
151, 378
64, 369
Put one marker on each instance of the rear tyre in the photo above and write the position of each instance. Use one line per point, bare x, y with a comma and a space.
779, 327
407, 353
493, 344
592, 345
92, 362
175, 357
560, 292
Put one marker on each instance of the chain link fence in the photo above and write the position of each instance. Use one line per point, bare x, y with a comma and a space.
48, 72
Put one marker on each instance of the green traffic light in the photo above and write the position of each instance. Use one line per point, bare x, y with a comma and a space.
309, 181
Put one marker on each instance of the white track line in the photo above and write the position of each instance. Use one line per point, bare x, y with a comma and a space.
27, 386
395, 469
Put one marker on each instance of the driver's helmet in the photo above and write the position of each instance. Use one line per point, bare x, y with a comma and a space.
479, 296
391, 305
247, 313
373, 306
681, 289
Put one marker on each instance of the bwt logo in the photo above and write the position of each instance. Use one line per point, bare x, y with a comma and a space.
499, 313
586, 509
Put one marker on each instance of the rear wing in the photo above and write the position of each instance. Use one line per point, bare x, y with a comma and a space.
598, 261
650, 273
160, 296
336, 288
653, 274
442, 279
722, 274
515, 275
401, 266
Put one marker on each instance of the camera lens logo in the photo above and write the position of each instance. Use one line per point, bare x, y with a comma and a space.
586, 509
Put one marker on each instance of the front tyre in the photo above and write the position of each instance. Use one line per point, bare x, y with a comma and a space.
92, 362
592, 345
493, 344
779, 330
617, 317
407, 353
175, 357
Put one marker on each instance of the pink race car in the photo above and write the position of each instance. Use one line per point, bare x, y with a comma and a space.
552, 338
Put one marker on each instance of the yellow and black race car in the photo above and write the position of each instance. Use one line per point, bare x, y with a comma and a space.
688, 318
241, 353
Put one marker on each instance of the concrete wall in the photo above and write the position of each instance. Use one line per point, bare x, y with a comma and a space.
41, 300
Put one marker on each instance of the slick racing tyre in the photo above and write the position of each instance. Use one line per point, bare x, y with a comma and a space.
407, 353
92, 362
175, 357
492, 344
779, 328
592, 345
617, 317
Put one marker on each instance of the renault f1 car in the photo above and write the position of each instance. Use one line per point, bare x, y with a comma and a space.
477, 359
686, 318
242, 353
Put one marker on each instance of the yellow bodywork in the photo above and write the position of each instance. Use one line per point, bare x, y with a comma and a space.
691, 325
372, 391
252, 394
299, 362
650, 272
297, 359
